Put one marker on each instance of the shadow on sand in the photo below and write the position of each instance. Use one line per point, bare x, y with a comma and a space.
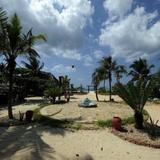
26, 140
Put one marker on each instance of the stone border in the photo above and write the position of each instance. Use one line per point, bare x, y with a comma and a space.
135, 141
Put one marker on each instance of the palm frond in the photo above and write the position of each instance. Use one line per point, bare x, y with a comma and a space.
135, 94
3, 20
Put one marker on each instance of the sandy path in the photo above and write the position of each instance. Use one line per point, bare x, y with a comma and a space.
100, 145
45, 143
31, 104
91, 95
154, 111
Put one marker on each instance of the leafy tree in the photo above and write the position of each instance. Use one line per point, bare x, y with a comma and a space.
65, 83
34, 66
13, 43
119, 72
156, 85
2, 72
135, 94
108, 67
140, 69
97, 76
52, 91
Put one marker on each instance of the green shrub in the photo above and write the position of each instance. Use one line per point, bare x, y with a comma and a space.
102, 91
129, 120
108, 123
104, 123
152, 128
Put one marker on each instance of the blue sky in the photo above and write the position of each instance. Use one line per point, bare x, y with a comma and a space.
81, 32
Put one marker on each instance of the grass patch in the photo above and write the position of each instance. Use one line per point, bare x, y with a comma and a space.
129, 120
108, 123
45, 120
104, 123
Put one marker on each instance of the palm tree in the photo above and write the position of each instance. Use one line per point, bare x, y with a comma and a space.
97, 76
140, 69
135, 94
34, 66
52, 92
109, 66
2, 72
13, 43
119, 72
65, 83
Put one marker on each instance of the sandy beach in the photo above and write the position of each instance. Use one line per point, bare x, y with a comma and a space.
45, 143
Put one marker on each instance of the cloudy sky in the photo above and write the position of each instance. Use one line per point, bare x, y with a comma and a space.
81, 32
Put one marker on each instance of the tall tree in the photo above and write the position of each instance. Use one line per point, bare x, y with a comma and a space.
34, 66
140, 69
136, 94
65, 83
13, 43
119, 72
107, 68
97, 76
2, 72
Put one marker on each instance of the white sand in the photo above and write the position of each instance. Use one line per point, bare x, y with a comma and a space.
45, 143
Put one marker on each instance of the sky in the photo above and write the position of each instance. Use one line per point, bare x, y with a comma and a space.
81, 32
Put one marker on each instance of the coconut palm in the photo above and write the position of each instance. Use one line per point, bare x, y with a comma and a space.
135, 94
52, 92
140, 69
65, 83
119, 72
34, 66
13, 43
97, 76
2, 72
109, 66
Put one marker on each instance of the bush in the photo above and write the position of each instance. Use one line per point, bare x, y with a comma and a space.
102, 91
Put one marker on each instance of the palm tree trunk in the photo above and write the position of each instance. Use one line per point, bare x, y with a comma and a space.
10, 94
110, 87
96, 93
138, 120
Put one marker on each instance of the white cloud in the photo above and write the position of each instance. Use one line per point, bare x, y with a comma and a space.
62, 21
133, 36
62, 69
88, 61
98, 54
46, 50
117, 8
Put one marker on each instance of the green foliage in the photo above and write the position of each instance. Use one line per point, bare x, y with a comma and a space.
65, 83
14, 43
156, 85
129, 120
34, 66
52, 92
140, 69
107, 68
103, 91
135, 94
152, 128
108, 123
104, 123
